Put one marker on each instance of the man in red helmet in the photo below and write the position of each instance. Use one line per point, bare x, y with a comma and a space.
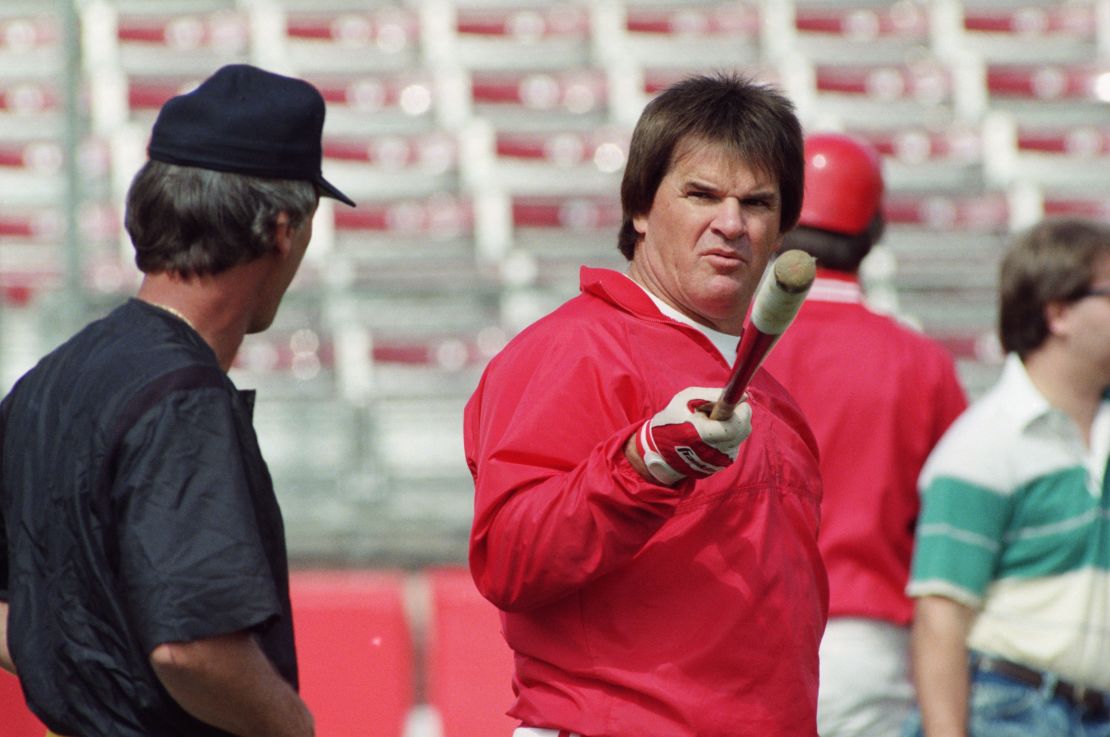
878, 396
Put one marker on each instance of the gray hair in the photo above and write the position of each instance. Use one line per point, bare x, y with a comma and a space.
195, 222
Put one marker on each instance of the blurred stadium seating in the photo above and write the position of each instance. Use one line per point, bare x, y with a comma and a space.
484, 141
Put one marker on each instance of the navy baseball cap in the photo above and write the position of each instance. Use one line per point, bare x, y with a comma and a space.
246, 120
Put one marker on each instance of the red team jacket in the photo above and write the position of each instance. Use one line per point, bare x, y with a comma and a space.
635, 609
878, 396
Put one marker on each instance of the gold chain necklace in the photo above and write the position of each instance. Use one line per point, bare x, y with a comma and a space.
176, 314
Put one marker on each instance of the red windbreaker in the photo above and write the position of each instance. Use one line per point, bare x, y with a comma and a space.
878, 396
635, 609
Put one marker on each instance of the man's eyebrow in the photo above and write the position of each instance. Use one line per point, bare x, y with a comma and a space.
700, 181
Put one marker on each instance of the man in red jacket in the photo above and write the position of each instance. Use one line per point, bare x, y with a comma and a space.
878, 396
658, 571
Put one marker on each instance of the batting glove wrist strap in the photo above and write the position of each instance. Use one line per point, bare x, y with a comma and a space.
656, 464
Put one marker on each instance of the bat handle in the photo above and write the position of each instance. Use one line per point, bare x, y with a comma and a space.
776, 304
722, 410
754, 345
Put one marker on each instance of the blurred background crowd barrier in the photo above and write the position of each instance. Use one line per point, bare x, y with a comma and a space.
484, 142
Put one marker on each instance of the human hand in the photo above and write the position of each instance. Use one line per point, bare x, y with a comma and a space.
681, 440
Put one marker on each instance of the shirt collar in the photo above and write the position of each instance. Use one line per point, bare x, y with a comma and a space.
723, 342
835, 286
1023, 400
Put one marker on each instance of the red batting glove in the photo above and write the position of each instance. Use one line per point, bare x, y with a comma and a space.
681, 441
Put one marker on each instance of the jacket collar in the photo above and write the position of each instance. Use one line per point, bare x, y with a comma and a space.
622, 292
835, 286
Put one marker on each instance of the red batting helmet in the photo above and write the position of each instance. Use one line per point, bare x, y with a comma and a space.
844, 184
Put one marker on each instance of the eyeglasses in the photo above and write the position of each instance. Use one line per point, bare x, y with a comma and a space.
1094, 292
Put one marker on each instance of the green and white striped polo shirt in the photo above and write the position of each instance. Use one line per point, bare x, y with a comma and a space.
1015, 523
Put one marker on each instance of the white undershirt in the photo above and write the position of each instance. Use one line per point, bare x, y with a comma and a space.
724, 342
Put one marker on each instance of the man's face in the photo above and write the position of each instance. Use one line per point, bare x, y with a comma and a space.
711, 229
1086, 322
286, 261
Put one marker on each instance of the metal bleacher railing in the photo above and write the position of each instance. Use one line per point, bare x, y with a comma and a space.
484, 141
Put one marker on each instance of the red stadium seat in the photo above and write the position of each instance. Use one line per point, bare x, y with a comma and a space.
898, 94
562, 232
925, 82
599, 214
920, 144
1082, 141
378, 101
181, 43
1048, 95
40, 227
16, 720
30, 42
987, 212
354, 646
1092, 206
391, 166
527, 24
1031, 33
221, 32
1073, 82
558, 162
23, 33
864, 23
690, 35
28, 97
559, 148
146, 94
1060, 158
435, 217
1075, 19
928, 158
352, 39
410, 245
530, 35
656, 78
469, 666
565, 98
872, 32
428, 151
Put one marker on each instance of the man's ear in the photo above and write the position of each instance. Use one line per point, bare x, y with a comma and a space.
283, 234
1055, 316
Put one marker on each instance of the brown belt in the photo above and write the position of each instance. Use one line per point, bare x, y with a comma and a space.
1089, 701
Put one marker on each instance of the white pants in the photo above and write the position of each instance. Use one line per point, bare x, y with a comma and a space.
865, 679
537, 732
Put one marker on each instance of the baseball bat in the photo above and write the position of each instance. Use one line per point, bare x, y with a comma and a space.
777, 302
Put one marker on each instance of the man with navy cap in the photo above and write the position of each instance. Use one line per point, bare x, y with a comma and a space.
143, 573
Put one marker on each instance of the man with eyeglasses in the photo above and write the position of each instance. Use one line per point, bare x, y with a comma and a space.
1011, 570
